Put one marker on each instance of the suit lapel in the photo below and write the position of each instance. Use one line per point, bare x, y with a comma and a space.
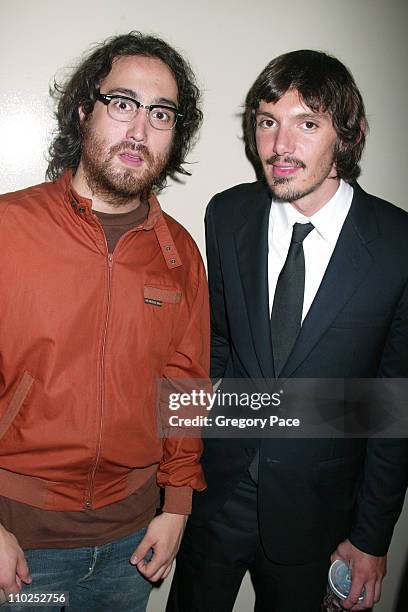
347, 269
251, 243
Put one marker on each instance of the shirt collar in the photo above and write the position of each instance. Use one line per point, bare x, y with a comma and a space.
155, 219
328, 221
85, 204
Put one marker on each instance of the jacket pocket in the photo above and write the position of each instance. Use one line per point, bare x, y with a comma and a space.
359, 322
157, 296
17, 400
342, 469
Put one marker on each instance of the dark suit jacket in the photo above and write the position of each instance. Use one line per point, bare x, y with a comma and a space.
312, 493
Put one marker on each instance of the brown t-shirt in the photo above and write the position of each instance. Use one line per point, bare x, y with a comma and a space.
115, 225
37, 528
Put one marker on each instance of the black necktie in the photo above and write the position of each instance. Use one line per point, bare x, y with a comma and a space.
286, 317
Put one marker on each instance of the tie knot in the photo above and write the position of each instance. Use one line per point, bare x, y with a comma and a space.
300, 231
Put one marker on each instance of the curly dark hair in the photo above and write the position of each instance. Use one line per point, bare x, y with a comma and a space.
324, 84
81, 88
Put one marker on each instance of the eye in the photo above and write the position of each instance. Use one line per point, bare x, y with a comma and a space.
162, 115
265, 123
310, 125
122, 105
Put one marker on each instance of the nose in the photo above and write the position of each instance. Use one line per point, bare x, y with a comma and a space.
284, 141
137, 127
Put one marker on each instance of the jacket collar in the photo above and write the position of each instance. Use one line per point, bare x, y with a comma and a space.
347, 269
82, 207
251, 244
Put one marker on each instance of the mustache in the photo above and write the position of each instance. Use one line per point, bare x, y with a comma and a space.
130, 146
286, 160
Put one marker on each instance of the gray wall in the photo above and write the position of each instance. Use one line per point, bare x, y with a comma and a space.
228, 42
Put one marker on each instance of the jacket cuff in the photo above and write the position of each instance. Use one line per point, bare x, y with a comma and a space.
177, 500
378, 547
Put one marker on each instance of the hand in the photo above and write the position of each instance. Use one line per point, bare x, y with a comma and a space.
13, 566
163, 535
366, 571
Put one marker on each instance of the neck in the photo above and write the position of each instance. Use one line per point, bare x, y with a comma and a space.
314, 201
103, 201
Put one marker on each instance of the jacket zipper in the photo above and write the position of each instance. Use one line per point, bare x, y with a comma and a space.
89, 489
91, 477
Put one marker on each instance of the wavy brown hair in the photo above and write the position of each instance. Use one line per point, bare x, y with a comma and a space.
324, 84
80, 91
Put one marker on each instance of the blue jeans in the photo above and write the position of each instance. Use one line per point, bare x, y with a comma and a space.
97, 578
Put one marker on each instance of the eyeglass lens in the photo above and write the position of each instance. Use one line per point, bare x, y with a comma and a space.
161, 118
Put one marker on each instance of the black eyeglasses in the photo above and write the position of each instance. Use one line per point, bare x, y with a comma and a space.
123, 108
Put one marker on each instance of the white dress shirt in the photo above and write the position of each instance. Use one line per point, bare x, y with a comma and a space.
318, 246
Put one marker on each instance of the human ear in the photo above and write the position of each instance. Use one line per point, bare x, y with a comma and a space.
81, 113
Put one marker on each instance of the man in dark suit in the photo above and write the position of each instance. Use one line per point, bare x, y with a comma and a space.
309, 279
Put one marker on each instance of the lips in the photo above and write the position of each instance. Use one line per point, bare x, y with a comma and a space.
284, 169
131, 158
285, 166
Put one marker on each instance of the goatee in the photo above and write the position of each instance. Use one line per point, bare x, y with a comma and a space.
282, 188
115, 185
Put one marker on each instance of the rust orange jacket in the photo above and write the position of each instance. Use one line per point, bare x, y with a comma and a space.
84, 337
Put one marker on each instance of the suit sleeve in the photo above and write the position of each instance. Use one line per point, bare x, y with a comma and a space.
385, 477
180, 471
220, 339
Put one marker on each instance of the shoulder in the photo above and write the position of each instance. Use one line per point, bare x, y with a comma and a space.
228, 201
238, 191
27, 194
191, 273
376, 218
392, 220
179, 232
25, 199
184, 242
391, 214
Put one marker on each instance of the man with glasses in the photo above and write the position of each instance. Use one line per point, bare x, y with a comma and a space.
103, 294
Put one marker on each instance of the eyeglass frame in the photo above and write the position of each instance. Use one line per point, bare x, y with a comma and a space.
107, 98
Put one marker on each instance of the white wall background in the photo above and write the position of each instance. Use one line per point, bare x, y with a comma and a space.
228, 43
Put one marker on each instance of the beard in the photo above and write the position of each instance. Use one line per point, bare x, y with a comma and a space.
115, 185
283, 189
